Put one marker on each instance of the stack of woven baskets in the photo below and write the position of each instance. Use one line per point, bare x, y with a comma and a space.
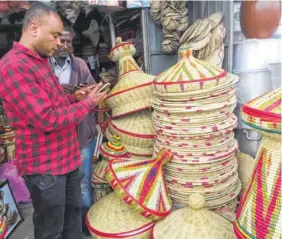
259, 214
193, 103
130, 102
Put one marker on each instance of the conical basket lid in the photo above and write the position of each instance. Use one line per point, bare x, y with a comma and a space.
133, 92
264, 112
142, 185
193, 222
189, 74
111, 218
113, 149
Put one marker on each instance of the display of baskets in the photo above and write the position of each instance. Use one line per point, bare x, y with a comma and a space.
133, 92
111, 218
193, 222
141, 184
193, 104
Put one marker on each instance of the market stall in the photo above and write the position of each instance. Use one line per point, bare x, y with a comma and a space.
179, 134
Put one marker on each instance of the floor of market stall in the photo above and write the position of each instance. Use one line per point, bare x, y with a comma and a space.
25, 229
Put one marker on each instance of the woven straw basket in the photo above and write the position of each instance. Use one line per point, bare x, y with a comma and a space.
189, 74
111, 218
141, 184
133, 92
135, 129
113, 149
262, 196
264, 112
199, 94
259, 214
193, 222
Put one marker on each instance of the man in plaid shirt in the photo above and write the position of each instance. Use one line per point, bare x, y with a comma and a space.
44, 119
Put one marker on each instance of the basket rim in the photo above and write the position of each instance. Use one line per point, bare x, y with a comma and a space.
129, 89
134, 232
218, 77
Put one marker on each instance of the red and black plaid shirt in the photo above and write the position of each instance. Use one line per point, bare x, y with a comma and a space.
43, 117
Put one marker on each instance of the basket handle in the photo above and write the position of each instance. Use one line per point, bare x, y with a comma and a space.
251, 138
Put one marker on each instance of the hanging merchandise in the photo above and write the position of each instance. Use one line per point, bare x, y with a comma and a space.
259, 214
206, 38
173, 16
193, 104
111, 218
93, 33
141, 184
71, 9
193, 222
260, 18
133, 92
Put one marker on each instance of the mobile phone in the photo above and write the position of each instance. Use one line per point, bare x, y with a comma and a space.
104, 87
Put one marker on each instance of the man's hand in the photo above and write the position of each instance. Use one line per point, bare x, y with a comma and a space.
97, 96
83, 92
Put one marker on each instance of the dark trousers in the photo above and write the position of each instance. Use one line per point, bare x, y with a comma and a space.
57, 206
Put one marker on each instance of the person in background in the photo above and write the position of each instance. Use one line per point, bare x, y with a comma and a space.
44, 119
72, 71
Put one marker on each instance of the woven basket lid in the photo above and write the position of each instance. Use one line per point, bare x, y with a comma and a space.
135, 129
111, 218
189, 74
264, 112
193, 222
113, 149
141, 184
133, 92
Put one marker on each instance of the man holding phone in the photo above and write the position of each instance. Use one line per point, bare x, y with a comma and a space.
44, 119
73, 73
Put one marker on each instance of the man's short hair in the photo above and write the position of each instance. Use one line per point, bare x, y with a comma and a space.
37, 11
68, 28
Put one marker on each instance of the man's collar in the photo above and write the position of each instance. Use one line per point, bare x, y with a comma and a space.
54, 62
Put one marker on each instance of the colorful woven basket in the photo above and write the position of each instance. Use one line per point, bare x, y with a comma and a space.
193, 222
111, 218
189, 74
141, 184
135, 129
133, 92
264, 112
259, 214
113, 149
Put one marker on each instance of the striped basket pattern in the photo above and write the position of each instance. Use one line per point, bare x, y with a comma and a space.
141, 184
189, 74
133, 92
